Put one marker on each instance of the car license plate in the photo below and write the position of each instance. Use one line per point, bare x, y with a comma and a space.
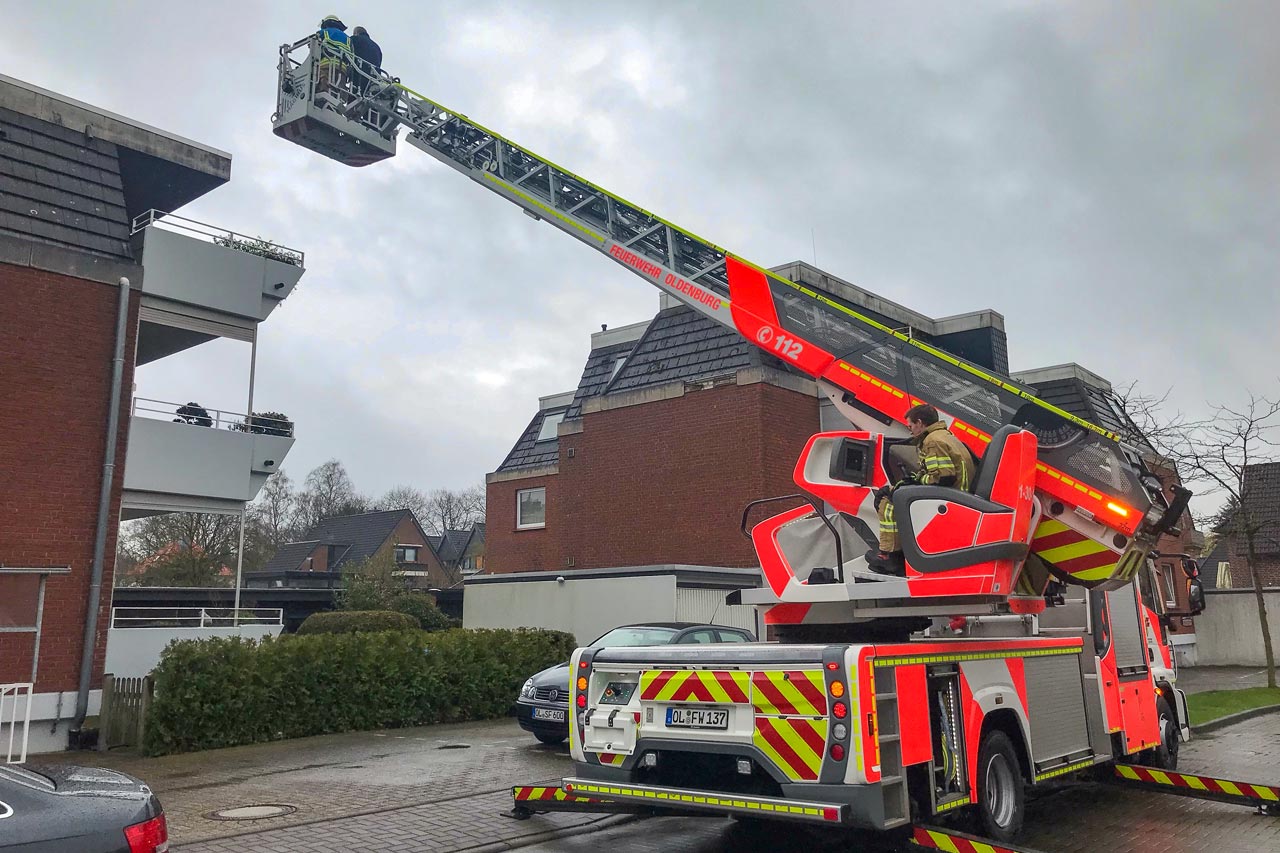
698, 718
552, 714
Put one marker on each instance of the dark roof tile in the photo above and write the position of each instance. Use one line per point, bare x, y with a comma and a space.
360, 537
290, 556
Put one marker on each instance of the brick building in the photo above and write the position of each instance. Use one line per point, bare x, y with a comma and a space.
79, 193
1227, 567
339, 544
678, 423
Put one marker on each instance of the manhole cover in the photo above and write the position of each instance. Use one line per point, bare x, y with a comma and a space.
455, 746
258, 812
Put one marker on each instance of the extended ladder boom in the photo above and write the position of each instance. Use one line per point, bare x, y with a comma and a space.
1087, 480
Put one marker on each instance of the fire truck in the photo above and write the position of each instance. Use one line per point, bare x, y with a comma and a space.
1021, 645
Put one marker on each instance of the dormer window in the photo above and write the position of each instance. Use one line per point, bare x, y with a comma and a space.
549, 424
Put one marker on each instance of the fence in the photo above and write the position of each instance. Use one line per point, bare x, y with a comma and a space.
219, 236
15, 720
123, 718
194, 617
197, 415
1228, 632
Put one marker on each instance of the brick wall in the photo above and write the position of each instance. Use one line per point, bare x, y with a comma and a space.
511, 550
56, 340
1268, 568
660, 482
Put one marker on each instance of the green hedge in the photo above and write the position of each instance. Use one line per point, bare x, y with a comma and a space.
353, 621
227, 692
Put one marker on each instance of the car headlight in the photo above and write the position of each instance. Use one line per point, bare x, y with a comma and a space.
527, 690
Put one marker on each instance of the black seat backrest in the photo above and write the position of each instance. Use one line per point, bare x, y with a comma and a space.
985, 479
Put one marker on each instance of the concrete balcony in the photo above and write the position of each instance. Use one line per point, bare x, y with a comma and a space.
200, 282
181, 460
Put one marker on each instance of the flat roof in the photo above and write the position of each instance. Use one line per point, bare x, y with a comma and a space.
685, 575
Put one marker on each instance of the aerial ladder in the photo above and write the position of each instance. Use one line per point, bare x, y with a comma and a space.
1068, 493
1060, 495
1061, 511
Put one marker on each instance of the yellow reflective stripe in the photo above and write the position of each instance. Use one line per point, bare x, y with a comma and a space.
1265, 793
1127, 771
1229, 787
1100, 573
954, 804
1049, 527
942, 841
960, 658
1083, 548
1194, 782
1063, 771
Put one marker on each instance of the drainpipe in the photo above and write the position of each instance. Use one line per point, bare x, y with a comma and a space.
104, 509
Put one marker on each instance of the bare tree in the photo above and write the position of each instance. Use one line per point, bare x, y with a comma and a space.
274, 510
406, 497
327, 491
452, 510
180, 549
1219, 453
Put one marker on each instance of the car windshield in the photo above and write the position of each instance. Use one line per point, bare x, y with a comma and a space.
637, 635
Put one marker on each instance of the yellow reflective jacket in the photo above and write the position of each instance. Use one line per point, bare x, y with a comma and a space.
942, 455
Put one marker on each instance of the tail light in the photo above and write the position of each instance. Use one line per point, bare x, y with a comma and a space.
150, 836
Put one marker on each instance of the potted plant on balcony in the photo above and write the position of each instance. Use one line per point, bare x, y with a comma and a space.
266, 423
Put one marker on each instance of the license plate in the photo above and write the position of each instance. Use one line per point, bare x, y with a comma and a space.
551, 714
698, 718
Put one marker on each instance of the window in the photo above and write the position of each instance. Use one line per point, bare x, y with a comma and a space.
702, 635
549, 424
19, 601
1170, 589
531, 509
406, 553
733, 637
636, 635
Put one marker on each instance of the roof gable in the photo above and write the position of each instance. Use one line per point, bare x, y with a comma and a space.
363, 534
1261, 496
290, 556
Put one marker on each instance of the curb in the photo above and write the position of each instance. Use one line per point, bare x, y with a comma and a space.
607, 822
1232, 719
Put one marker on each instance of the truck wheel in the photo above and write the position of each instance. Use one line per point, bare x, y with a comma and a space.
1164, 756
1001, 800
550, 740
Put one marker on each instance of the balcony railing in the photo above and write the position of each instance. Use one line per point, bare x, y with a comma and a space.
15, 723
218, 236
194, 617
197, 415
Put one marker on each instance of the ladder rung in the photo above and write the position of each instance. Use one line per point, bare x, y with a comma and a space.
890, 780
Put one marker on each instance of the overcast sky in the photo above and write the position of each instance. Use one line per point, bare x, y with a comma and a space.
1106, 176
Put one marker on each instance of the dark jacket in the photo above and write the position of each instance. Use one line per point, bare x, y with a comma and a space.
367, 49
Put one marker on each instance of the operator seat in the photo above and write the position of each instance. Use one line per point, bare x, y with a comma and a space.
984, 478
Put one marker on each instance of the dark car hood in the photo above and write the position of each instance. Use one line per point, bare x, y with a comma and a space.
553, 676
70, 808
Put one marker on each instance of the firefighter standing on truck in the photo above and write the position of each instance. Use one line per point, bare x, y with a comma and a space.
944, 461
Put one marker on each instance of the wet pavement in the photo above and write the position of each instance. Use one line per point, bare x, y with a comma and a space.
443, 790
